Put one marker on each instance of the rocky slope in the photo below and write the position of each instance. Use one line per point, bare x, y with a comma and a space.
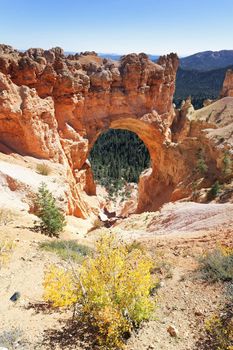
54, 107
183, 301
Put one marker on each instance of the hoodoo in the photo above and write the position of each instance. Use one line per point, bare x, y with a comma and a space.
227, 89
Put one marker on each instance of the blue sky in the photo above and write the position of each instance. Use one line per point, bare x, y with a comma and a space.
119, 26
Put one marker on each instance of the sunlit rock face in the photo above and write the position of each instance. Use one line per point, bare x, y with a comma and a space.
227, 89
54, 107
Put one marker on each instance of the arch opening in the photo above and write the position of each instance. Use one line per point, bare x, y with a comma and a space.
118, 157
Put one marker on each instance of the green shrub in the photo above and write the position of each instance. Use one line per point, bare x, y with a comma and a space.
217, 265
43, 169
111, 289
52, 219
218, 332
227, 164
214, 191
202, 167
67, 249
135, 245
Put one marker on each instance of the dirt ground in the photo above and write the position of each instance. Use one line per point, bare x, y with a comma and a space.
183, 300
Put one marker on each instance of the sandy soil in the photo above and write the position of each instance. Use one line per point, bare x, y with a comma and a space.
19, 181
183, 300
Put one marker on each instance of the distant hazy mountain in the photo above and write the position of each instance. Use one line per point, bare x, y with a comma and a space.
201, 61
207, 60
116, 57
113, 56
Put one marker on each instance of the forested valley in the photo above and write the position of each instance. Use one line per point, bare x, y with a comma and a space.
118, 157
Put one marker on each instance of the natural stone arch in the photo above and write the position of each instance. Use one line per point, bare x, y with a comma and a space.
146, 131
155, 185
83, 95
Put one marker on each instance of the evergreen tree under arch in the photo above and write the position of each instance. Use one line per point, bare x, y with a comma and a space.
118, 157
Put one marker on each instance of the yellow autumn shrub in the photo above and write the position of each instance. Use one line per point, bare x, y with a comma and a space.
226, 251
60, 288
112, 289
220, 331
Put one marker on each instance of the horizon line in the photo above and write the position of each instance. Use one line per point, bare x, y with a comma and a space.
121, 53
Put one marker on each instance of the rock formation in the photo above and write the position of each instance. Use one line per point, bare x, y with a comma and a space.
227, 89
54, 107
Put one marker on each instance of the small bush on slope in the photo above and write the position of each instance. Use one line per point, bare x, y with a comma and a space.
202, 167
217, 265
227, 164
214, 191
218, 332
67, 250
52, 219
43, 169
6, 216
112, 289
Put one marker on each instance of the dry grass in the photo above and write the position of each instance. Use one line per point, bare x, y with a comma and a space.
43, 169
6, 216
67, 249
6, 248
217, 265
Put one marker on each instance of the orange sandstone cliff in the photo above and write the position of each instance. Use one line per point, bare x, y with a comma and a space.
54, 107
227, 89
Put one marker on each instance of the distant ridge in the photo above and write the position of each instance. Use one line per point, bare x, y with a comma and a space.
200, 61
116, 57
112, 56
207, 60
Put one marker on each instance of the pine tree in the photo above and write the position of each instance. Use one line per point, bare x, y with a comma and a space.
52, 219
202, 167
118, 154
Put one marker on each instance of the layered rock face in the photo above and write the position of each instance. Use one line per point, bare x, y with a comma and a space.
227, 89
54, 107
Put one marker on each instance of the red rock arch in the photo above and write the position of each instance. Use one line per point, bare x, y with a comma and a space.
83, 95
